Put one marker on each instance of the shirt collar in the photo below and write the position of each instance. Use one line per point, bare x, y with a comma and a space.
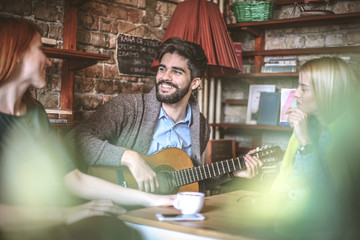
186, 120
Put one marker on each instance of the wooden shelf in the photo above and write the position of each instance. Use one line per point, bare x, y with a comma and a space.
336, 19
69, 124
237, 101
264, 75
300, 51
250, 127
78, 60
258, 29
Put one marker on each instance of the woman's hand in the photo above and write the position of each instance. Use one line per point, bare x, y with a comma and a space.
160, 200
299, 122
253, 165
90, 209
143, 174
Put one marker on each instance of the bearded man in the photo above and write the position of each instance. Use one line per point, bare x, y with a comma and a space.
131, 126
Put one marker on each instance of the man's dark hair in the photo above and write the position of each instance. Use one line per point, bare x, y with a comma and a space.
197, 59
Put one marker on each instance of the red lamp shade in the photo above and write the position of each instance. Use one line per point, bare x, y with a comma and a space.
201, 22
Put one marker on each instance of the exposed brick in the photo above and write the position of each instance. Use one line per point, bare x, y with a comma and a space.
148, 85
165, 22
105, 86
117, 12
112, 41
294, 41
44, 28
126, 87
171, 9
334, 40
129, 78
24, 9
97, 39
353, 38
88, 48
83, 36
141, 4
156, 21
88, 21
55, 2
133, 3
140, 31
91, 102
161, 7
55, 83
156, 33
48, 99
275, 43
56, 31
134, 15
111, 72
108, 25
125, 27
46, 13
95, 71
55, 68
84, 85
111, 53
313, 41
92, 7
77, 105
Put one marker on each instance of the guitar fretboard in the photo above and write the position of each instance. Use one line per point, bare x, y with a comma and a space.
195, 174
199, 173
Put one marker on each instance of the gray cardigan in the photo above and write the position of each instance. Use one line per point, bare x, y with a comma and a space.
128, 121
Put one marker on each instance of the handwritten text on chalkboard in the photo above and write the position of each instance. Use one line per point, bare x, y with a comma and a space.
135, 54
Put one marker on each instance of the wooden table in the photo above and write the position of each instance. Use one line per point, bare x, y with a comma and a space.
228, 216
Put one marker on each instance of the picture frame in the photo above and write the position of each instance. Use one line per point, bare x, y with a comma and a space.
254, 100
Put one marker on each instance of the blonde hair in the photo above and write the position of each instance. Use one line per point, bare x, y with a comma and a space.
333, 83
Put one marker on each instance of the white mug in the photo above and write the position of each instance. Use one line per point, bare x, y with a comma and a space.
189, 202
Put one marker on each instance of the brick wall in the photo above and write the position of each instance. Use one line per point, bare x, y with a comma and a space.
99, 22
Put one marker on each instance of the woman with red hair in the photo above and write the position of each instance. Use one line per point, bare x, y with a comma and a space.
37, 172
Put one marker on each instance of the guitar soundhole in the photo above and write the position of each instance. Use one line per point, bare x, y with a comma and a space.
165, 179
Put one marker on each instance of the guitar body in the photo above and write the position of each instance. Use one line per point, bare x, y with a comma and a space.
163, 163
176, 173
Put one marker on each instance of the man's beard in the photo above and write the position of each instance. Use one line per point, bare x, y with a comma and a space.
174, 97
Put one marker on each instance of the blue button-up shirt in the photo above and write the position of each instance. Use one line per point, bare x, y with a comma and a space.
169, 134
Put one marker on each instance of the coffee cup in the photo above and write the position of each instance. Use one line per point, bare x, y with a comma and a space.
189, 202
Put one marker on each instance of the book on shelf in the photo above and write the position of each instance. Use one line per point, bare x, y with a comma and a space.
48, 41
277, 69
281, 63
58, 120
269, 108
287, 100
281, 59
238, 52
54, 115
254, 100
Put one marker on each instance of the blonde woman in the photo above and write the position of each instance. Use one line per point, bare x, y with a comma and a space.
320, 165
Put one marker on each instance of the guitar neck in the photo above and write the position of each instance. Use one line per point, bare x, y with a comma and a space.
199, 173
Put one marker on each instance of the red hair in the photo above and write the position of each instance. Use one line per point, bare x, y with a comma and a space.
16, 35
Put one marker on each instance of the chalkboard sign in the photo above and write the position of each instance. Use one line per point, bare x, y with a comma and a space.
136, 54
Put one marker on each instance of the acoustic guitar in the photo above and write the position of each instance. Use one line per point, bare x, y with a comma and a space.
177, 173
